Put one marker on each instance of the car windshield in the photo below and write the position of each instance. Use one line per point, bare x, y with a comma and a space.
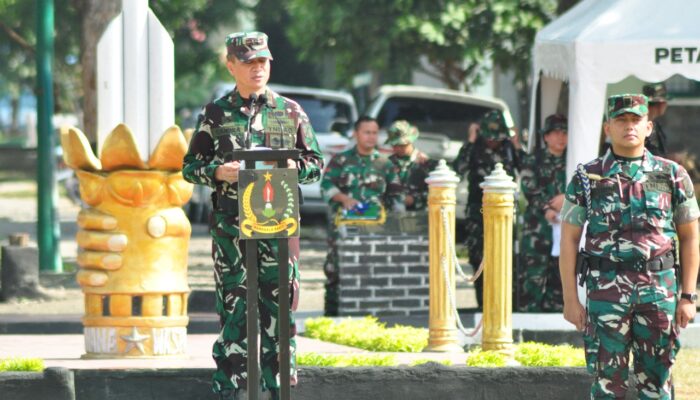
435, 116
324, 113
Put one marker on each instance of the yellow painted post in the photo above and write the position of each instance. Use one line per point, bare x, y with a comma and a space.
133, 239
442, 199
498, 202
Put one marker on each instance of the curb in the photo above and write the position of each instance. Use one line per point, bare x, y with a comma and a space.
53, 383
428, 381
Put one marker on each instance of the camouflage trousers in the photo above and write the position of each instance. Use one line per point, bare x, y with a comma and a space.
474, 230
540, 284
230, 349
634, 311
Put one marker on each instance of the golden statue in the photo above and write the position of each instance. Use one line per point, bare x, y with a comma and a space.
133, 240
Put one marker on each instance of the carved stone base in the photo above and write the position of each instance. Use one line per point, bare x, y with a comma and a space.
134, 342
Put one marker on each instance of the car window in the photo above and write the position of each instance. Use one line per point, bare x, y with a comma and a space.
324, 113
435, 116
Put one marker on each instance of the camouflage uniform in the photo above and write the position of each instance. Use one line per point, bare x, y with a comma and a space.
414, 168
543, 176
656, 142
369, 178
220, 129
631, 293
478, 161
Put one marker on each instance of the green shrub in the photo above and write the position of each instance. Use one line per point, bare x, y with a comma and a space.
490, 359
345, 360
533, 354
368, 333
22, 364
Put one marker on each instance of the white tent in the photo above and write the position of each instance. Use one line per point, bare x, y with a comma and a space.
599, 42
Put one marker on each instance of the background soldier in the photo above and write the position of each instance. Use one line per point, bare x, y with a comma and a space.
488, 143
358, 175
222, 127
636, 205
413, 165
656, 142
543, 180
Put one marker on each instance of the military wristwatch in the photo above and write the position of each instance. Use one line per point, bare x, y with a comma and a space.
689, 296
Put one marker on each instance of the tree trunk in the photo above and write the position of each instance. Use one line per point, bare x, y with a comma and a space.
19, 277
95, 15
14, 116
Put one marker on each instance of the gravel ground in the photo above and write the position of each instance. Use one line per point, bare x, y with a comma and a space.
18, 210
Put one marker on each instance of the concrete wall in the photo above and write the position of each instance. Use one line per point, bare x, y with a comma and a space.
429, 382
53, 383
383, 275
425, 382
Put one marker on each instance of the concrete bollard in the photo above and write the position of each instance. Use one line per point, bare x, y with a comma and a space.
498, 202
442, 199
133, 242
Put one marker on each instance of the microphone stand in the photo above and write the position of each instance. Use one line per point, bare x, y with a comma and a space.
251, 115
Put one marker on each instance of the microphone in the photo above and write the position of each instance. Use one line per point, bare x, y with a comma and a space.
253, 100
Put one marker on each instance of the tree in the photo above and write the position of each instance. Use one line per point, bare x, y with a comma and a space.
17, 49
455, 36
360, 34
79, 26
286, 67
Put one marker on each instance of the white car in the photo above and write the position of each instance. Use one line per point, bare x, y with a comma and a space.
443, 117
331, 113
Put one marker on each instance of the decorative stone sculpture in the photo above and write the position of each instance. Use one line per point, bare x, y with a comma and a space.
133, 241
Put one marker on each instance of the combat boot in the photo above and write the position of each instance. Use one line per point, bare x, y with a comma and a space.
273, 394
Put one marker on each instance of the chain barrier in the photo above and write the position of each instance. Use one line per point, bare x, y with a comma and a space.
451, 249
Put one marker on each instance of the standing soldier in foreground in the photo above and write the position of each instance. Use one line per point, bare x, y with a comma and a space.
222, 127
636, 205
353, 177
488, 143
413, 165
543, 180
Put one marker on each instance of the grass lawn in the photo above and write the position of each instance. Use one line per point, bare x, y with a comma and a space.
686, 371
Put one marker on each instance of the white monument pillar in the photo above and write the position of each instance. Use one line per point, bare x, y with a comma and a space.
135, 77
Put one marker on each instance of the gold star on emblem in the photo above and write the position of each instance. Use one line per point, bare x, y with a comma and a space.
267, 176
134, 340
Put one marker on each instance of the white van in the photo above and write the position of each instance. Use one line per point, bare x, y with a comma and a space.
443, 117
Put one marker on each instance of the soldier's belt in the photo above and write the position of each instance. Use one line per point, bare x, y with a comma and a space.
658, 263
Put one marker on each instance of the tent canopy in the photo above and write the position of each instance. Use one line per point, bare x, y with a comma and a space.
599, 42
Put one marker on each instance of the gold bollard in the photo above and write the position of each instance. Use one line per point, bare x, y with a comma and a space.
133, 241
498, 261
441, 202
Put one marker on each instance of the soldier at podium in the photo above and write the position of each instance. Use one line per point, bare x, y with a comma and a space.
247, 117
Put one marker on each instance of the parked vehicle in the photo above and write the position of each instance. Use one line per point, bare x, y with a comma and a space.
443, 117
331, 113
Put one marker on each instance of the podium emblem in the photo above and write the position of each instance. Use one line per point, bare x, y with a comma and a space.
269, 203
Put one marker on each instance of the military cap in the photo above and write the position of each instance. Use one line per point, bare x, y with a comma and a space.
627, 103
401, 133
656, 92
493, 126
554, 122
246, 46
